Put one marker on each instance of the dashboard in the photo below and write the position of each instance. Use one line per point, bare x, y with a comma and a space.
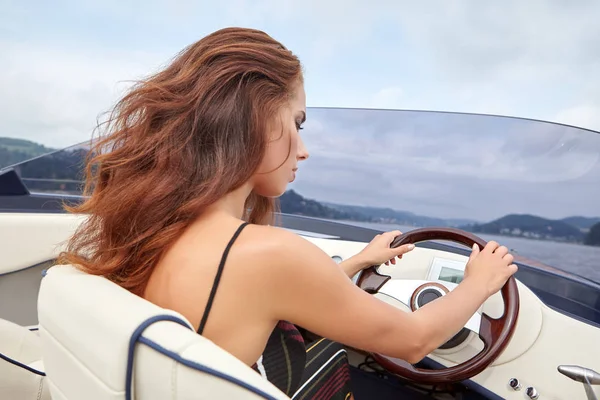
529, 364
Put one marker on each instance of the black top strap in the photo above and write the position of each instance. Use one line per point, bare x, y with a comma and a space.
213, 291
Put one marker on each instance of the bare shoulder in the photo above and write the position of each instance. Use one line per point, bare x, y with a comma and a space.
289, 264
270, 238
272, 246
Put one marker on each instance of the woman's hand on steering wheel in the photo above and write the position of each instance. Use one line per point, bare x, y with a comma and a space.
490, 267
377, 252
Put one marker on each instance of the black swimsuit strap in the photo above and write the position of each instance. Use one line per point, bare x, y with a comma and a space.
213, 291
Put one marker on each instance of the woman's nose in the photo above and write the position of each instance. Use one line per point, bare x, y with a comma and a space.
302, 152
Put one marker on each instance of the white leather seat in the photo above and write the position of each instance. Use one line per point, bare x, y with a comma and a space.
95, 346
21, 369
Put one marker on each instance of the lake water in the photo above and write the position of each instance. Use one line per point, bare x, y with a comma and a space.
574, 258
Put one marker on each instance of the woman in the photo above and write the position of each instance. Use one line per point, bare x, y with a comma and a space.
181, 201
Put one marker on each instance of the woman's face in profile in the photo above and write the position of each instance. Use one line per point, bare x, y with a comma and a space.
285, 148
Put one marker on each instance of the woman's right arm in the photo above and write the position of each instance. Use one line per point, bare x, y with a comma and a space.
307, 288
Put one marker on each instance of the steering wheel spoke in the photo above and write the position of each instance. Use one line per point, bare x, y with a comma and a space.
490, 329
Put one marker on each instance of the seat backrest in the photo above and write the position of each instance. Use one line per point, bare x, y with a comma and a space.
21, 369
100, 342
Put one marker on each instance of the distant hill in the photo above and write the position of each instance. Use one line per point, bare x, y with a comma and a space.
58, 172
583, 223
388, 215
593, 236
293, 203
531, 226
13, 150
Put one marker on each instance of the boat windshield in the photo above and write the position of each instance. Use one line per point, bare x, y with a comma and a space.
532, 185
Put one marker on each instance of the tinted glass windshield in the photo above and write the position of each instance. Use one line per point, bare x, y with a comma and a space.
59, 172
531, 185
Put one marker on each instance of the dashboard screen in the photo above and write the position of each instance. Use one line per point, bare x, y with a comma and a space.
451, 275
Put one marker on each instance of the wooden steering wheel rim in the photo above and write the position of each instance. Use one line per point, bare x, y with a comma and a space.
495, 333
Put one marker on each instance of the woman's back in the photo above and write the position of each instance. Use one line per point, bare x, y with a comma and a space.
230, 311
185, 275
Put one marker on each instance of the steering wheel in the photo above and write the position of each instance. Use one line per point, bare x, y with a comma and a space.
495, 333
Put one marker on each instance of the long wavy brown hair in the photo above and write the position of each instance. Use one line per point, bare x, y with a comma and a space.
175, 143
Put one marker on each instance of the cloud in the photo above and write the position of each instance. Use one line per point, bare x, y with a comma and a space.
389, 97
583, 115
54, 97
530, 59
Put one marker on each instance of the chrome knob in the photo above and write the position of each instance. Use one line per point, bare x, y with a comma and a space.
532, 393
514, 384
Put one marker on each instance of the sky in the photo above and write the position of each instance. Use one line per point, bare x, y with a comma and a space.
65, 62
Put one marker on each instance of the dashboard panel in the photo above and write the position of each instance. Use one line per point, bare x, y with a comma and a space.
446, 270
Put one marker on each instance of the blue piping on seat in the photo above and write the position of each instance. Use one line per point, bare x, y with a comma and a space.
21, 365
137, 337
